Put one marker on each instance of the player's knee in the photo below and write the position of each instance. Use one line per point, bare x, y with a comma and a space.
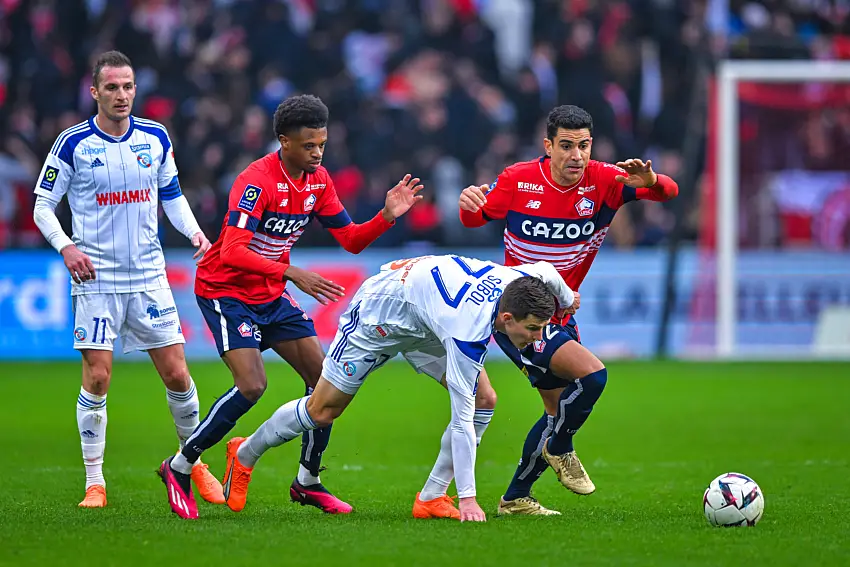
96, 380
485, 398
253, 389
595, 382
176, 379
322, 415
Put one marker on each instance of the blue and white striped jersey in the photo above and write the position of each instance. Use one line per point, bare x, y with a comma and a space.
114, 186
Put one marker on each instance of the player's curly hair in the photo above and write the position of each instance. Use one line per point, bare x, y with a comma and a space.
527, 296
109, 59
301, 111
568, 117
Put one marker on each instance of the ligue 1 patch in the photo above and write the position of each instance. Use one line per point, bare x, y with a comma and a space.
492, 186
79, 334
349, 368
585, 207
309, 202
244, 330
49, 179
539, 346
249, 198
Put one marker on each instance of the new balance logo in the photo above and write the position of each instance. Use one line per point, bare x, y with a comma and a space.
533, 204
96, 163
284, 202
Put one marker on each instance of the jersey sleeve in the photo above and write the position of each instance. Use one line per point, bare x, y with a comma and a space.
464, 362
169, 186
499, 197
246, 203
54, 179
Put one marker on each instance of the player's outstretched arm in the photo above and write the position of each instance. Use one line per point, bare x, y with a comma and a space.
480, 204
650, 185
354, 238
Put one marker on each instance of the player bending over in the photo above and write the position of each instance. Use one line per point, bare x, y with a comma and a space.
115, 169
241, 289
435, 312
558, 208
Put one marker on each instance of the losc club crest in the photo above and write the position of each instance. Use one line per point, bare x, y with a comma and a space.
585, 207
539, 346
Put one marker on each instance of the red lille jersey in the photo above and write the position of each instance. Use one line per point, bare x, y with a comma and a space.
564, 226
267, 202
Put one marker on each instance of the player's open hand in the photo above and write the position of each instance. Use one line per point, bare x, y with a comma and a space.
79, 265
571, 310
470, 511
314, 285
401, 197
473, 198
640, 174
202, 243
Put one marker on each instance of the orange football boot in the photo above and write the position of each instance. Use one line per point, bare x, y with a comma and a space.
236, 477
95, 497
208, 486
442, 507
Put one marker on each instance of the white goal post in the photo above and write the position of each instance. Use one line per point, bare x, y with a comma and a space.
730, 74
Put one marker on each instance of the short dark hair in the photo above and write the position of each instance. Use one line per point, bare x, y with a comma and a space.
301, 111
527, 296
109, 59
568, 117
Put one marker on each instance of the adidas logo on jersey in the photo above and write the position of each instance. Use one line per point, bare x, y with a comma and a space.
96, 163
532, 204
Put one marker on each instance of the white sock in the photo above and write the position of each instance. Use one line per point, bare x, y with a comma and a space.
185, 410
288, 422
182, 465
306, 478
91, 423
443, 472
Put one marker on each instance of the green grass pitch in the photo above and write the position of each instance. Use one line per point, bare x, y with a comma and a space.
659, 434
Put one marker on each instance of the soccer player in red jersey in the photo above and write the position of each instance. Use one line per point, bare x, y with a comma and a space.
241, 289
558, 208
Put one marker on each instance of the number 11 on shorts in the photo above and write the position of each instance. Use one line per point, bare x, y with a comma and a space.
99, 321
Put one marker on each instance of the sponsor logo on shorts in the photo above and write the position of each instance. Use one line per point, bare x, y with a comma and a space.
381, 331
155, 312
349, 368
79, 334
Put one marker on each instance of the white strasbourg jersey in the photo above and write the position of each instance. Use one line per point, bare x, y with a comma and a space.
456, 301
113, 187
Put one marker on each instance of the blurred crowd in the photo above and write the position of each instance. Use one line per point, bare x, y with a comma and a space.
449, 90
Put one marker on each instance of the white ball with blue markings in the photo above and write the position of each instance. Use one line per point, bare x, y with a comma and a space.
733, 500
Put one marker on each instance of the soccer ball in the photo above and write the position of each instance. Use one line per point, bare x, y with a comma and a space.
733, 500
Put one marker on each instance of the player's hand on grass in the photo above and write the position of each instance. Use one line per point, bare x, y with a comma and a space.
314, 285
571, 310
473, 198
79, 265
202, 243
640, 174
401, 197
470, 511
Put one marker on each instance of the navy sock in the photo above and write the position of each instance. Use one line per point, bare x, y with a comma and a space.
218, 422
313, 444
574, 408
532, 464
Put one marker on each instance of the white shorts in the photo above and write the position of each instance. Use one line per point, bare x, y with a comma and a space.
373, 330
144, 320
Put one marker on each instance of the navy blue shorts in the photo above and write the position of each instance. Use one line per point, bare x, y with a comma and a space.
535, 359
235, 324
